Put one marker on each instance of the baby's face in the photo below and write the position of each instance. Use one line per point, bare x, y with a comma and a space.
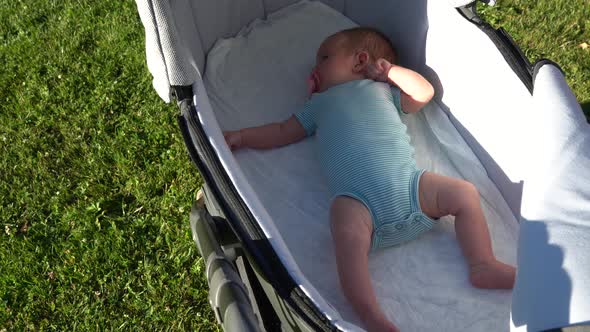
334, 65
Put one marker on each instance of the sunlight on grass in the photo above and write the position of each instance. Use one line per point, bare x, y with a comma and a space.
95, 183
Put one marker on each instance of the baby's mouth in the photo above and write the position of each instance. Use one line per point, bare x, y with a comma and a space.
313, 83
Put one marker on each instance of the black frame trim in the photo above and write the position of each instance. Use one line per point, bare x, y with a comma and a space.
540, 63
241, 221
513, 55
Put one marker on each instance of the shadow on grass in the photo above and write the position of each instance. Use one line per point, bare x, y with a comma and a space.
117, 205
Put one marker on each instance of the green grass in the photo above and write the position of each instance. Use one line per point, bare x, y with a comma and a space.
95, 182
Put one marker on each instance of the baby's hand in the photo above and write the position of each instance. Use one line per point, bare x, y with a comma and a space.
233, 139
379, 70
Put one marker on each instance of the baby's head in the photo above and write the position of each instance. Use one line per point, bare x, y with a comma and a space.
344, 56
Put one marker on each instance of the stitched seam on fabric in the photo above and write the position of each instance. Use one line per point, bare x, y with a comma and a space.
159, 42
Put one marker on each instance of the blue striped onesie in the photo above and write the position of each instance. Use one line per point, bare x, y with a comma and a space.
365, 153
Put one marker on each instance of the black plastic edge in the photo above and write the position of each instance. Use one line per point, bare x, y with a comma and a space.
513, 55
182, 93
263, 307
239, 217
540, 63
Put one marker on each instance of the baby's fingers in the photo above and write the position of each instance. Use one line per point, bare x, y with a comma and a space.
373, 71
376, 73
383, 64
233, 139
228, 139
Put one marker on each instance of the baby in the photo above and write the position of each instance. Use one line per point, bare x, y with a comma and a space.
380, 198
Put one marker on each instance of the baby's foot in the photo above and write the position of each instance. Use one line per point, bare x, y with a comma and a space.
381, 326
492, 275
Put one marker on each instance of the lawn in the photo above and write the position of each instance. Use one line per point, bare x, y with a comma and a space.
95, 182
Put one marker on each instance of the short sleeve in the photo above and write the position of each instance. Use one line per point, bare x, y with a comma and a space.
396, 94
307, 119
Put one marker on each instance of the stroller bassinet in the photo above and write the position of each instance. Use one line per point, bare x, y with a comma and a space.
519, 121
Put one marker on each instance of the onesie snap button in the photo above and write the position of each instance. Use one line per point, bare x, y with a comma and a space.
399, 226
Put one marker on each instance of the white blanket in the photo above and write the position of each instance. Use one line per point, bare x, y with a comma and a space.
260, 77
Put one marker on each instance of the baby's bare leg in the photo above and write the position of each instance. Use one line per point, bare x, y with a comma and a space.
351, 230
441, 196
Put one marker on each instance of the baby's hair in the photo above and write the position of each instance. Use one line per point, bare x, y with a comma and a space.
371, 40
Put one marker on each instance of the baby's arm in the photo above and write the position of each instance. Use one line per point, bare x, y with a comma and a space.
267, 136
416, 90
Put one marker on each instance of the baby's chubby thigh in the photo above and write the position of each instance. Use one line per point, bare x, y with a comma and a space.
351, 223
440, 195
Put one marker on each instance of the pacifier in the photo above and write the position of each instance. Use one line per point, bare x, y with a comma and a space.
313, 83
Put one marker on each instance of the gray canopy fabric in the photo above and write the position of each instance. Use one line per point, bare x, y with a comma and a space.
535, 147
179, 33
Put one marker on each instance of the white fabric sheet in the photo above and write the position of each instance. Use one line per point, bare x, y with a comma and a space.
259, 77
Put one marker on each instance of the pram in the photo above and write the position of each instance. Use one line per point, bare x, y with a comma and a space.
511, 127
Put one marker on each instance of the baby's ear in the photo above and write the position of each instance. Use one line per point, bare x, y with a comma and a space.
361, 61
